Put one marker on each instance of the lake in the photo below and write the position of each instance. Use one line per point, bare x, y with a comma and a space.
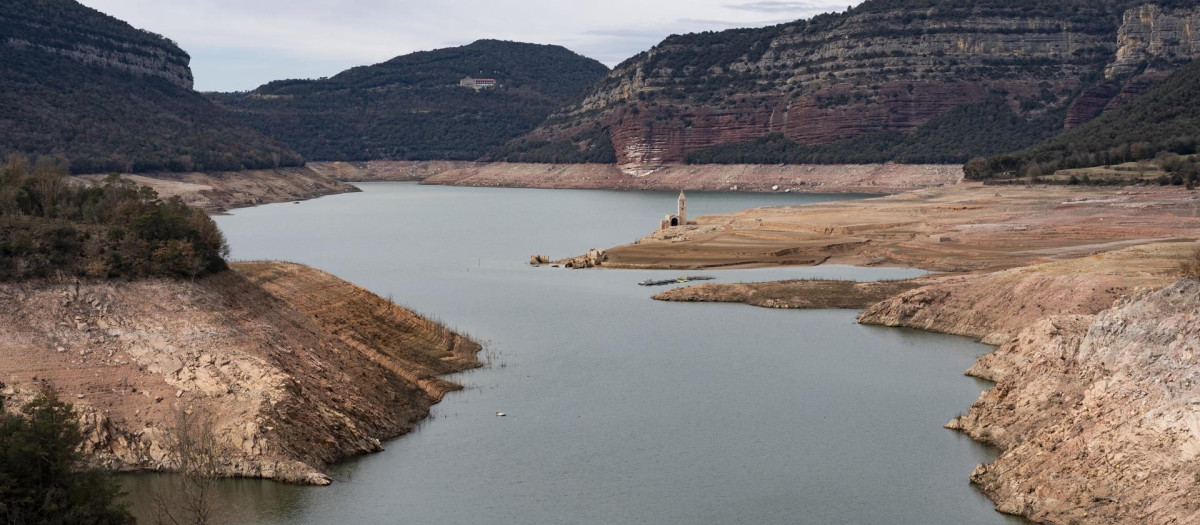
621, 409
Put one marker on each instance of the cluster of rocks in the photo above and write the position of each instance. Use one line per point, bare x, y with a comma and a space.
592, 259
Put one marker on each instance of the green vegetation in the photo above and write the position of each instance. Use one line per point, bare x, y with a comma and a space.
105, 117
43, 477
52, 227
1162, 123
990, 127
411, 107
589, 147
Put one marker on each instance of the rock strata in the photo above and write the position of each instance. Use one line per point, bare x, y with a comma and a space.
1097, 415
296, 368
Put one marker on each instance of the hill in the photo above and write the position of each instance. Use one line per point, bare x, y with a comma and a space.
81, 85
905, 80
1162, 123
412, 107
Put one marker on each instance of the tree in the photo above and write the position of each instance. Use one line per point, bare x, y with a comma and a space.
195, 452
43, 478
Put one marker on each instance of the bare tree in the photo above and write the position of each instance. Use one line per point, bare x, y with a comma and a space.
195, 452
1190, 267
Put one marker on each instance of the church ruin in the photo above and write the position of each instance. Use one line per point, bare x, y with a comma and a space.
680, 218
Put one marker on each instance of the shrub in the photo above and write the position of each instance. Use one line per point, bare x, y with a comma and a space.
1190, 267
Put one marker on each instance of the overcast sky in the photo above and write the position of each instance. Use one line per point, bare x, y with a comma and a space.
240, 44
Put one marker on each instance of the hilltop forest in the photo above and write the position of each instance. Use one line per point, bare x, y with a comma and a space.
411, 107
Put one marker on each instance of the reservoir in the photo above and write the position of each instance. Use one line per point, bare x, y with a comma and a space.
620, 409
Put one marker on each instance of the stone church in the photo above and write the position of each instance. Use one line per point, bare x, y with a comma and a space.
680, 218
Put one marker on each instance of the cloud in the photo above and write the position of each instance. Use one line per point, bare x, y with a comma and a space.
776, 7
237, 45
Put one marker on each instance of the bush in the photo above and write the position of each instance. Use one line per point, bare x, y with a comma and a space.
1190, 268
114, 229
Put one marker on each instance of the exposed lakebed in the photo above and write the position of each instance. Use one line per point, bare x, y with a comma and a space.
621, 409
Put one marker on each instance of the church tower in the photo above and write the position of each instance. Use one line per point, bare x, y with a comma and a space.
682, 209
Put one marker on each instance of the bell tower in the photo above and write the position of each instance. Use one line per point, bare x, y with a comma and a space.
681, 210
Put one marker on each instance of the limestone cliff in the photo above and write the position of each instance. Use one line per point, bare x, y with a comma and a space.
1150, 34
877, 68
297, 368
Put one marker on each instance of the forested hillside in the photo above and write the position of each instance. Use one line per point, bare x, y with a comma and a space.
1162, 121
412, 107
90, 89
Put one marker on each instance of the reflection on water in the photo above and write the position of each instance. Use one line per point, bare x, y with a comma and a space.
622, 409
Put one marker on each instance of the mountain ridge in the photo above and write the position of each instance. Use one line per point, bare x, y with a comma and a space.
885, 66
412, 107
88, 88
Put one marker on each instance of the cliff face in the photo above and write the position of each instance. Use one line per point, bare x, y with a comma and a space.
879, 67
1149, 33
295, 367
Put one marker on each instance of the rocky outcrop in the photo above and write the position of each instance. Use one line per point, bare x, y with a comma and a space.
592, 259
296, 368
877, 67
1096, 415
1152, 34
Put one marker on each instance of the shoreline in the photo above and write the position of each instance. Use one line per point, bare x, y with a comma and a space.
799, 178
218, 192
1079, 291
266, 349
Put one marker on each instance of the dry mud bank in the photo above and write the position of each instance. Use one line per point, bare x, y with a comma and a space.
297, 368
964, 227
813, 294
218, 191
865, 178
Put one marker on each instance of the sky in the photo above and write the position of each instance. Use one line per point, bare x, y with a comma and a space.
238, 45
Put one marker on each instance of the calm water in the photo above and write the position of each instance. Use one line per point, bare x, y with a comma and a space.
622, 409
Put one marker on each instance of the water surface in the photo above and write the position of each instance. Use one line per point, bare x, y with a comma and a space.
622, 409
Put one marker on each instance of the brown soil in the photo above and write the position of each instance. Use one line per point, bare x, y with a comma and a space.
298, 368
869, 178
218, 191
965, 227
799, 294
996, 306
